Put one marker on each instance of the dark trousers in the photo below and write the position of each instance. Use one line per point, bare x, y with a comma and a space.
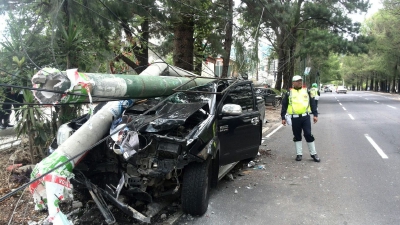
300, 124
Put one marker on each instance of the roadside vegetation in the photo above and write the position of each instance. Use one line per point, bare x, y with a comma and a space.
122, 37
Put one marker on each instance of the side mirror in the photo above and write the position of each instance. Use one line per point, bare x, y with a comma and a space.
231, 110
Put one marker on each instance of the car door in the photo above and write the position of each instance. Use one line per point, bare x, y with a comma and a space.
239, 135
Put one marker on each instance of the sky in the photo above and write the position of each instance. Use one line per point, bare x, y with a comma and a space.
2, 25
376, 5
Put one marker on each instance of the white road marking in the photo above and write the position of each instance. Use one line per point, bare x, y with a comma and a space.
391, 106
351, 117
377, 148
340, 103
344, 108
366, 99
376, 101
276, 129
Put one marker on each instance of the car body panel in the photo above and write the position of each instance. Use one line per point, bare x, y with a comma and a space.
239, 137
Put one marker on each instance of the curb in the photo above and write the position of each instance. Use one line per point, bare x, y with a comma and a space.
7, 132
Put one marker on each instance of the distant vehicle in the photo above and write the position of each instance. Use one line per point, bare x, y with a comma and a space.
341, 89
327, 89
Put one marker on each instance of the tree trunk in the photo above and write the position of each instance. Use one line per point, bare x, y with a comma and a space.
184, 43
281, 65
292, 44
290, 65
142, 52
30, 139
228, 41
393, 85
371, 84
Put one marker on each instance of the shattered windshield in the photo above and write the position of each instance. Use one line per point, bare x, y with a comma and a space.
195, 96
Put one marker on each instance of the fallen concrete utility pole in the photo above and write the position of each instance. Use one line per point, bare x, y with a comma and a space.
108, 86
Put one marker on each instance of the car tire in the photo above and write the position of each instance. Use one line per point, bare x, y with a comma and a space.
196, 187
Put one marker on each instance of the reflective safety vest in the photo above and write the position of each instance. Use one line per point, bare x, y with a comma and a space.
299, 101
313, 92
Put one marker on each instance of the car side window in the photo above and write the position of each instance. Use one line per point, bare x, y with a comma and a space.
241, 95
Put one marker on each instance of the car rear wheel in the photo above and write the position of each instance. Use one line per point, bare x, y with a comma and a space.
196, 187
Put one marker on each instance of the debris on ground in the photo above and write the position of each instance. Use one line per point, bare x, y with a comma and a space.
251, 164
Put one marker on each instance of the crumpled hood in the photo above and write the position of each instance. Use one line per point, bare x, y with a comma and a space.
170, 116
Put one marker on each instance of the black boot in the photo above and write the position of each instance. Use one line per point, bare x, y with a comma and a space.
316, 158
298, 157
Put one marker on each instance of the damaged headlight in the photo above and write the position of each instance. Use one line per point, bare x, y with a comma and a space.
169, 150
126, 142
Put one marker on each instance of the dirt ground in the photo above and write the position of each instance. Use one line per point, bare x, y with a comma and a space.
273, 115
19, 208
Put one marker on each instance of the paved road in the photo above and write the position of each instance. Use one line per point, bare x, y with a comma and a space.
357, 181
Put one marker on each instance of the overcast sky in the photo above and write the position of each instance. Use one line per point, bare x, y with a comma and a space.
376, 5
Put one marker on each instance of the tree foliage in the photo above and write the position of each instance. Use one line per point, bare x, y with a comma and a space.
379, 69
300, 29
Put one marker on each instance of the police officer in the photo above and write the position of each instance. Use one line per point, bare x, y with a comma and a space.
314, 93
298, 103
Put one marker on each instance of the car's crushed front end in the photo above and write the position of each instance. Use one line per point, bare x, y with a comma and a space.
148, 147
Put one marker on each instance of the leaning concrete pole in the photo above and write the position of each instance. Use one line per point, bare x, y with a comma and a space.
108, 86
56, 186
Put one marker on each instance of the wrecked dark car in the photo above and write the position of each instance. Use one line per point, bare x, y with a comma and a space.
269, 96
173, 146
